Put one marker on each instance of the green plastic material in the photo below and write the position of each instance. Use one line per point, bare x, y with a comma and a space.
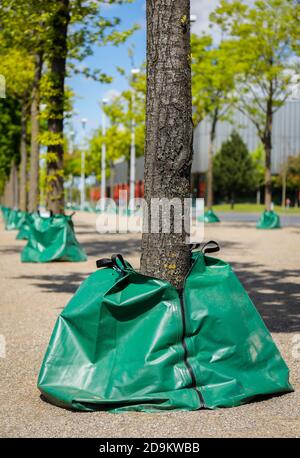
25, 228
131, 342
52, 239
5, 213
209, 217
14, 220
268, 220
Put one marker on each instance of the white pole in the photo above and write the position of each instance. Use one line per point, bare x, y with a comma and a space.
132, 156
82, 187
134, 72
103, 157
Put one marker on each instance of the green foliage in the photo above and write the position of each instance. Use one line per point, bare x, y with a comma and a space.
233, 168
258, 160
30, 27
292, 167
213, 77
72, 163
263, 38
120, 113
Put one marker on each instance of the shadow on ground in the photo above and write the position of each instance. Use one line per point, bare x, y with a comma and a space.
275, 294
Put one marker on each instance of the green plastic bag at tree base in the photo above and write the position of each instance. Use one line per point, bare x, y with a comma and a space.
126, 341
5, 213
14, 219
268, 220
209, 217
25, 228
52, 239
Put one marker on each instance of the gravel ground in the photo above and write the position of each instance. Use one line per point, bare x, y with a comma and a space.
267, 262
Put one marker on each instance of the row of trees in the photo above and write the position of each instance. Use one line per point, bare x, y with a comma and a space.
236, 172
252, 68
41, 44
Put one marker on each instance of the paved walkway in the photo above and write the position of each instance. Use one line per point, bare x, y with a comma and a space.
267, 262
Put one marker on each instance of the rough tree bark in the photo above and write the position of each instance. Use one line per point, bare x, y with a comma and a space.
210, 179
35, 131
169, 132
23, 163
57, 64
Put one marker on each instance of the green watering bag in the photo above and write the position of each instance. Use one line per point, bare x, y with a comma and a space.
32, 220
126, 341
52, 239
209, 217
14, 219
268, 220
5, 213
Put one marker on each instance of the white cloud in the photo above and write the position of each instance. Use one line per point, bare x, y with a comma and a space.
111, 94
202, 9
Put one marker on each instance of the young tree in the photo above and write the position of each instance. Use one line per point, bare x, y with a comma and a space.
10, 136
17, 68
57, 56
265, 37
292, 176
169, 131
233, 168
24, 25
74, 27
120, 114
213, 74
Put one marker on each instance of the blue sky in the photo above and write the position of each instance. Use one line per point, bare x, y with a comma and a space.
88, 93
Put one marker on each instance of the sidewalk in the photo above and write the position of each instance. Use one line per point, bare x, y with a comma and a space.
32, 296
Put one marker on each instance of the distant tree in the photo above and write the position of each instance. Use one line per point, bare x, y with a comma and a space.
59, 34
120, 114
265, 38
214, 67
74, 27
292, 176
10, 137
233, 169
18, 68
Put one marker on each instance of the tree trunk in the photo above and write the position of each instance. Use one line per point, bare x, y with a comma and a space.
35, 131
6, 198
13, 186
210, 173
169, 135
57, 64
283, 192
23, 163
232, 200
10, 190
268, 178
267, 142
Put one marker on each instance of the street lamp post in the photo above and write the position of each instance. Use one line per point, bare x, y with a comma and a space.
134, 72
103, 156
71, 151
82, 187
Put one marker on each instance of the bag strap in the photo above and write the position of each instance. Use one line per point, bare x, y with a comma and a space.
104, 262
116, 262
210, 247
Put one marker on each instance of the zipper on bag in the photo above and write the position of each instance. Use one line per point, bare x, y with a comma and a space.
193, 384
